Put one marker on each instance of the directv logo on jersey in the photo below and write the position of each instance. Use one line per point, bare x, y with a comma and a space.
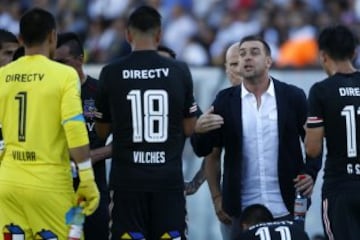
349, 91
145, 73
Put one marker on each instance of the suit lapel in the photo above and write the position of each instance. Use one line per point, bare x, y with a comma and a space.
282, 105
235, 104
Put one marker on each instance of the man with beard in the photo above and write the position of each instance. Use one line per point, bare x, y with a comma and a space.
259, 125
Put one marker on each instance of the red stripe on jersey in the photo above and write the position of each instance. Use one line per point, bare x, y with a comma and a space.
314, 120
193, 108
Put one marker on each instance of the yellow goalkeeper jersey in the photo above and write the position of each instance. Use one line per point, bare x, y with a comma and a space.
37, 98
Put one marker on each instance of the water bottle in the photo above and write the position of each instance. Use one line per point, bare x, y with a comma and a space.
2, 143
74, 171
75, 218
300, 206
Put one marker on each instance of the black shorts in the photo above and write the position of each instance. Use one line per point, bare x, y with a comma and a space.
148, 215
341, 215
96, 225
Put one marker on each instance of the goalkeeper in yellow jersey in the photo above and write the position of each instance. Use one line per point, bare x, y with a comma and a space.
42, 121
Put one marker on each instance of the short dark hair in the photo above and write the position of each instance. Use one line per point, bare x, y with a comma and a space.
339, 42
168, 50
144, 18
35, 25
254, 214
18, 53
71, 40
259, 39
7, 37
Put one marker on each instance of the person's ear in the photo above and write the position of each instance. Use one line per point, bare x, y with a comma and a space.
53, 37
128, 36
244, 226
158, 36
21, 40
354, 55
323, 57
269, 61
81, 58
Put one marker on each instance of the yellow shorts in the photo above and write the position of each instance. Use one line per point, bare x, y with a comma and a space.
33, 214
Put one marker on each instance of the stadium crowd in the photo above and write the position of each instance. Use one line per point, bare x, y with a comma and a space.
198, 31
199, 34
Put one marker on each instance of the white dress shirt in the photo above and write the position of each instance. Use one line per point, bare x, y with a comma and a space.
260, 182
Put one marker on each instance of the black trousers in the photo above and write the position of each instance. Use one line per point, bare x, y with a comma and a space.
341, 215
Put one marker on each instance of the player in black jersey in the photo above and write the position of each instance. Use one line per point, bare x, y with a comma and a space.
8, 45
147, 103
190, 187
70, 52
258, 223
334, 108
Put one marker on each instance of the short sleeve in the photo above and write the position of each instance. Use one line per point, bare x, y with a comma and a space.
102, 103
315, 113
191, 107
71, 100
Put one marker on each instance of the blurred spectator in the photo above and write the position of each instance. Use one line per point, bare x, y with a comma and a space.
237, 25
70, 17
105, 39
202, 7
300, 49
275, 29
194, 53
119, 46
180, 28
108, 9
10, 12
93, 45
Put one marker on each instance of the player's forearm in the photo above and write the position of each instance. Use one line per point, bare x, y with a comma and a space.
189, 126
102, 129
212, 173
80, 154
199, 178
101, 153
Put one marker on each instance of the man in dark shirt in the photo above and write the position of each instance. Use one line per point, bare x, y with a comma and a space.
334, 108
8, 45
260, 125
192, 186
258, 223
70, 52
147, 102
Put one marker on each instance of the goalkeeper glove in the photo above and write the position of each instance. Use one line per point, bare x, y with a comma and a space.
87, 192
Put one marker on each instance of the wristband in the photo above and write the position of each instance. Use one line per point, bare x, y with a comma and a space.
84, 165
